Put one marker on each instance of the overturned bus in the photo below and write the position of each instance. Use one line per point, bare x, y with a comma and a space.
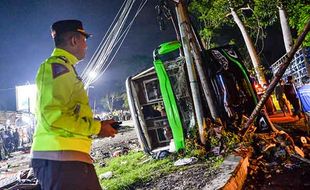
160, 98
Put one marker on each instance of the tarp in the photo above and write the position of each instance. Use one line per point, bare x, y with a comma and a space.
304, 95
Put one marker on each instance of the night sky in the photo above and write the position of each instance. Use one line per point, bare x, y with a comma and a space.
26, 41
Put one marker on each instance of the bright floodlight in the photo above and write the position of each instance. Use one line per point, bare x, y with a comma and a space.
92, 75
25, 98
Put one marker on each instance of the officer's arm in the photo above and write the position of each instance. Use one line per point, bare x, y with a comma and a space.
63, 112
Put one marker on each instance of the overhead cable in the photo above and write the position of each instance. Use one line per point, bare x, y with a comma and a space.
111, 43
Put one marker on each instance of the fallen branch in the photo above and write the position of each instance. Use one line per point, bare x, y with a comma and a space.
302, 159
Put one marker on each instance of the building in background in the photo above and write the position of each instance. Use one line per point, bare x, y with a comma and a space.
299, 67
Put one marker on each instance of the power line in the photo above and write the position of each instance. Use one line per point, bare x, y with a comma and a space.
111, 43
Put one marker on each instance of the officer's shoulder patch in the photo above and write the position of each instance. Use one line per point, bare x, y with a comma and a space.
63, 58
58, 69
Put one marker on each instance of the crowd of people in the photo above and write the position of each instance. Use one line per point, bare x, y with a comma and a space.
292, 97
287, 96
13, 139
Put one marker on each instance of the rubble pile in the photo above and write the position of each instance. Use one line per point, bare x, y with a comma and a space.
279, 161
280, 146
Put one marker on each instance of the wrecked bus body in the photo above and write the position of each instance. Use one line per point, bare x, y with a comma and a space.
231, 88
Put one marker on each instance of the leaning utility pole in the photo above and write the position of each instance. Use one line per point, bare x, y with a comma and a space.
193, 56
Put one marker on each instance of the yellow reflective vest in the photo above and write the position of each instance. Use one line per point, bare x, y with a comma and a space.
64, 117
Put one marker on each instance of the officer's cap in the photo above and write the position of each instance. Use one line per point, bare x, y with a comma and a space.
64, 26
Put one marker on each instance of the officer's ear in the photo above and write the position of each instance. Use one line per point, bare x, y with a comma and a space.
74, 40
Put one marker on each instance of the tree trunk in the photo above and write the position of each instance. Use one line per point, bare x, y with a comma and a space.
110, 101
251, 49
286, 32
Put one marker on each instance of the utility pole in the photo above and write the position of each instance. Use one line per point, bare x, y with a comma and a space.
94, 106
28, 104
88, 87
193, 58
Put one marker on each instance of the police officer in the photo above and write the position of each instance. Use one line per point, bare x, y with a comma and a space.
65, 124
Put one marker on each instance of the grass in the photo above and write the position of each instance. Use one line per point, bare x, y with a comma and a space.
136, 167
131, 169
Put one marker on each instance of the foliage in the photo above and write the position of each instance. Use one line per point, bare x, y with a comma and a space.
114, 100
217, 14
216, 137
214, 15
215, 161
211, 18
257, 15
266, 12
131, 169
299, 15
194, 149
226, 141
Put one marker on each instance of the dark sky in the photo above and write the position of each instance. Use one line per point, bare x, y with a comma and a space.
26, 41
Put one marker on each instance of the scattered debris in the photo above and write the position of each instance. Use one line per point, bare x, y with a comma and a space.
106, 175
102, 164
185, 161
161, 154
120, 151
24, 179
280, 160
303, 140
302, 159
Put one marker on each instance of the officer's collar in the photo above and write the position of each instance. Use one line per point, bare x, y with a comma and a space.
61, 52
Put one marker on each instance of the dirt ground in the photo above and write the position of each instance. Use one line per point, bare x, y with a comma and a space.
19, 161
195, 177
125, 139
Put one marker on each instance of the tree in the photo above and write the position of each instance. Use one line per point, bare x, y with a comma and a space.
291, 14
109, 99
299, 14
286, 31
125, 101
216, 13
